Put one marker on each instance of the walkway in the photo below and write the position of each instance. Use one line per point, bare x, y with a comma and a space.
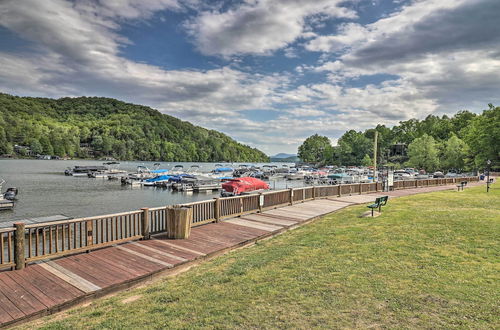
51, 286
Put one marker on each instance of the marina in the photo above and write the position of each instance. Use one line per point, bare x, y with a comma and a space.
49, 187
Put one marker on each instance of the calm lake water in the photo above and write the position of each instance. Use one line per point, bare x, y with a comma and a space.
44, 190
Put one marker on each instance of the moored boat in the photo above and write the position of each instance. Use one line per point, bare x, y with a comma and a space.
238, 186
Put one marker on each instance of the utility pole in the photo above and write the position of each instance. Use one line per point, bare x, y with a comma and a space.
488, 176
375, 157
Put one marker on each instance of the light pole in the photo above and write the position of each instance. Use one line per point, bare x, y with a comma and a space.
488, 176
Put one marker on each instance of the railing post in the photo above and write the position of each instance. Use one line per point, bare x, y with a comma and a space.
291, 196
360, 188
89, 229
217, 209
19, 235
241, 205
145, 223
340, 190
314, 192
261, 202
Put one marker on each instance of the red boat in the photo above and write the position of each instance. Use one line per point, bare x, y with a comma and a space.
243, 185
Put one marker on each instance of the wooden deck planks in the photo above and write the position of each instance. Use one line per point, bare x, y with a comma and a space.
17, 296
11, 310
155, 254
70, 277
161, 252
50, 283
253, 224
176, 247
146, 257
91, 271
41, 295
267, 220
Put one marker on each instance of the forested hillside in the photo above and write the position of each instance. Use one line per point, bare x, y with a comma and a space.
464, 141
94, 127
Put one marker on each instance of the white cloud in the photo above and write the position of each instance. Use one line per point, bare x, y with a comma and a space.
76, 49
348, 35
259, 27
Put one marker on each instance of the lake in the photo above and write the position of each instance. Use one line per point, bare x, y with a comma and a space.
44, 190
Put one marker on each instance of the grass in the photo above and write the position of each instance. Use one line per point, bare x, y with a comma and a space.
429, 261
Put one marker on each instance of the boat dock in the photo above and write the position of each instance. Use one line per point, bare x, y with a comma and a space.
51, 218
119, 260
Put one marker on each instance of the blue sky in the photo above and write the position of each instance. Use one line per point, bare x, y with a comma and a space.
267, 72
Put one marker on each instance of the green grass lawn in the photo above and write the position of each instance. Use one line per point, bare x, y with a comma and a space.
429, 261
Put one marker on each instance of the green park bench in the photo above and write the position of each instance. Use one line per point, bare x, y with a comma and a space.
379, 202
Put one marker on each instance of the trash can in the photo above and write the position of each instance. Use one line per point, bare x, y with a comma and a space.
179, 222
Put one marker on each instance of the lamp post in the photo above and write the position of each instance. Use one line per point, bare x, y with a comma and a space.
488, 176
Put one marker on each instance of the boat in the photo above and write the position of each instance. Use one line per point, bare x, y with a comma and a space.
244, 185
296, 174
207, 184
10, 193
184, 183
84, 170
5, 204
143, 173
177, 169
154, 181
110, 171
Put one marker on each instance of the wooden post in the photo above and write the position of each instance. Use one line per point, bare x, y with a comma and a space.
19, 257
291, 196
340, 190
89, 228
360, 188
314, 192
217, 209
241, 205
145, 223
180, 219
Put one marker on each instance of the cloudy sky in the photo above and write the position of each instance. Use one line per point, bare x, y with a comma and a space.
267, 72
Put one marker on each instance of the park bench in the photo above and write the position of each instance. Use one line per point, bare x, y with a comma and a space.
461, 185
379, 202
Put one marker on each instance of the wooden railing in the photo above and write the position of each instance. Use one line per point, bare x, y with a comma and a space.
28, 243
85, 234
203, 212
157, 219
7, 247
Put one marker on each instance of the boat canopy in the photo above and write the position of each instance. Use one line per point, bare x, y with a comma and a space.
159, 178
223, 169
159, 171
244, 184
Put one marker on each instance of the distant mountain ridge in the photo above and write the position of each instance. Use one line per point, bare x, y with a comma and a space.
97, 127
286, 158
283, 155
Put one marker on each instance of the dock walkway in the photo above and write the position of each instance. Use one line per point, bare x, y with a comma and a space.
50, 286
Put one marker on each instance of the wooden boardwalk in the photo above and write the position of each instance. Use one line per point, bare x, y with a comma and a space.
51, 286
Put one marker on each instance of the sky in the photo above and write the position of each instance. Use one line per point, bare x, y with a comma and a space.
269, 73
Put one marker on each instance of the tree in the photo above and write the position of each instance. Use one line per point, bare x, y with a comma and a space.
367, 161
314, 149
454, 153
423, 153
36, 147
483, 137
352, 148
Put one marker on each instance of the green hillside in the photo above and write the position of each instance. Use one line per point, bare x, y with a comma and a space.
95, 127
